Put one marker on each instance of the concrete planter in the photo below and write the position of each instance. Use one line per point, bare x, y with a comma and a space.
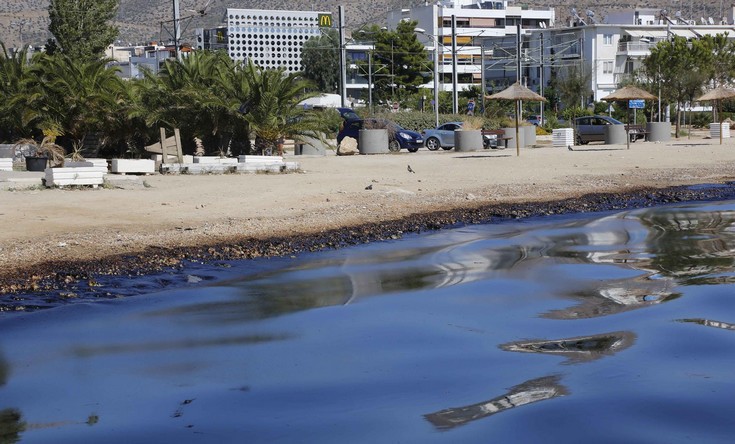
658, 131
309, 146
468, 140
615, 135
373, 141
529, 135
511, 132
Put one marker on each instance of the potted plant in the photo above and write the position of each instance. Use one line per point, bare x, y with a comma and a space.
40, 154
469, 137
374, 137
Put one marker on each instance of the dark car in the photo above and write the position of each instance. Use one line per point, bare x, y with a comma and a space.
592, 129
348, 113
397, 137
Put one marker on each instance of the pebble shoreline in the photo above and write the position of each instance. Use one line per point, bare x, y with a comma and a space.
72, 278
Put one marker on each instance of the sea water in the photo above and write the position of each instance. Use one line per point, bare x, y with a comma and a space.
608, 327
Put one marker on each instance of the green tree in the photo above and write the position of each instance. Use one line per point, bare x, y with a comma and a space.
201, 95
716, 58
320, 61
572, 84
14, 68
82, 27
273, 110
399, 61
676, 68
62, 95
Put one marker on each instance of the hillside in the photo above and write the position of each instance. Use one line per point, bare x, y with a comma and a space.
144, 20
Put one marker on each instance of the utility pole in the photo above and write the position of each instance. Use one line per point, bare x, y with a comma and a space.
541, 77
455, 98
370, 81
177, 28
342, 56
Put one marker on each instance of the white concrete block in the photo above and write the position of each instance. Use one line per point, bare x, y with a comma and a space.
260, 159
6, 164
216, 160
75, 176
136, 166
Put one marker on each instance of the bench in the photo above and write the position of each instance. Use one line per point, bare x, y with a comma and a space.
167, 146
499, 135
638, 129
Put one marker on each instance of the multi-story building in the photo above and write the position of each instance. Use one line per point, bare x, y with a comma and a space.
481, 29
134, 60
611, 52
270, 38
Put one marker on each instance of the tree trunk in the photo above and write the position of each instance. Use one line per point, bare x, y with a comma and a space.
678, 119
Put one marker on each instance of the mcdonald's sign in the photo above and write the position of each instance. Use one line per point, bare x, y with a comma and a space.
325, 20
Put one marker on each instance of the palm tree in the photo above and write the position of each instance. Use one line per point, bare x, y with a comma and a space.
13, 69
200, 94
71, 97
273, 111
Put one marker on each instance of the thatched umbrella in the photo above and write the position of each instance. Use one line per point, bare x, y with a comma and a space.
717, 94
625, 94
517, 93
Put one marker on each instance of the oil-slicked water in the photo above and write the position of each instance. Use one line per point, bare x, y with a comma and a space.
589, 328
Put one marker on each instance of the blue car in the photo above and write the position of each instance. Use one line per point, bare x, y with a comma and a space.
398, 137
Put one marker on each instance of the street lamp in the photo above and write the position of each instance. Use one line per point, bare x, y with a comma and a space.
436, 72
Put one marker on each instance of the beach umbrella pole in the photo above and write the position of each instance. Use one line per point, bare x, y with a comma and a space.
518, 140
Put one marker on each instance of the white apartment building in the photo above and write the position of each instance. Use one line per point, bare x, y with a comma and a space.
479, 26
270, 38
611, 52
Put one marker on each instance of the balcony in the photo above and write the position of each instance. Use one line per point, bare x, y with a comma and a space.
637, 48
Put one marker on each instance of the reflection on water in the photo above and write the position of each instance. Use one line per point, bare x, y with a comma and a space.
578, 349
11, 426
528, 392
325, 347
710, 323
160, 346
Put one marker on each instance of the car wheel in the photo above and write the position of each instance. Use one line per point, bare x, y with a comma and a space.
432, 143
413, 149
394, 146
579, 141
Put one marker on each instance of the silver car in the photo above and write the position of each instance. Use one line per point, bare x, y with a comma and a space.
592, 129
443, 137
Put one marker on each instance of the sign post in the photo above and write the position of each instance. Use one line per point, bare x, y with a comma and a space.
636, 104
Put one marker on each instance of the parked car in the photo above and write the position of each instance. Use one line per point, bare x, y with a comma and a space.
443, 137
592, 129
348, 113
398, 137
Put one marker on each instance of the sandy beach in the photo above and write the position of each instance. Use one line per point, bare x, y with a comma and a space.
329, 192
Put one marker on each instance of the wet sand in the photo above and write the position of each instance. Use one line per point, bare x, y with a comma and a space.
332, 201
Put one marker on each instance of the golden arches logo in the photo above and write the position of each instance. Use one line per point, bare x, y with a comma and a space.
325, 20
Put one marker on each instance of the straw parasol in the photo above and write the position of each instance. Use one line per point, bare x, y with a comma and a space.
625, 94
517, 93
717, 94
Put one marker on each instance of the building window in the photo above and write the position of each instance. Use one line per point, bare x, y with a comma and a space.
607, 67
607, 39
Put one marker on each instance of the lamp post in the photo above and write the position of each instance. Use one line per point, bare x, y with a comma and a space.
436, 72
